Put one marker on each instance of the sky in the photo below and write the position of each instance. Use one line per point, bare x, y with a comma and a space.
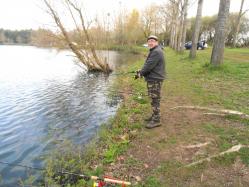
27, 14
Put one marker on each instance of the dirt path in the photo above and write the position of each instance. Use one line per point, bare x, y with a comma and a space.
157, 157
183, 138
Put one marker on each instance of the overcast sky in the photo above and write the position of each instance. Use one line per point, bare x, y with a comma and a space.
26, 14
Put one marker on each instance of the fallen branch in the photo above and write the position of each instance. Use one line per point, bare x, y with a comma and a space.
224, 111
235, 148
196, 146
215, 114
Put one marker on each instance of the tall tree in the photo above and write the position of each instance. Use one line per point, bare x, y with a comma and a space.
119, 25
197, 27
165, 16
237, 25
149, 20
181, 21
133, 27
220, 31
2, 37
174, 11
184, 26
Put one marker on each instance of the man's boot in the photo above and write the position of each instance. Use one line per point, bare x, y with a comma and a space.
153, 124
148, 119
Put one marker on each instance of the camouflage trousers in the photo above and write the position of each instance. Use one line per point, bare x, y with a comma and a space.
154, 92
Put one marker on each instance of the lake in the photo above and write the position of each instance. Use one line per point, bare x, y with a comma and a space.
46, 98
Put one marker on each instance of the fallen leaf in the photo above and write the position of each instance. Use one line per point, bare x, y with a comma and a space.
138, 178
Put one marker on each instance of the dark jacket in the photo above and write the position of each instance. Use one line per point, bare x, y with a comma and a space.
154, 66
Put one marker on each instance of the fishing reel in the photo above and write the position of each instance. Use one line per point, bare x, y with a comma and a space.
102, 184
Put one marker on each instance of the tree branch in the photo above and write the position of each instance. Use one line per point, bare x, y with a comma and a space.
231, 112
235, 148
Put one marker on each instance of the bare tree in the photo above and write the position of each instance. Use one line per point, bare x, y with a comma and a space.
2, 36
181, 21
90, 60
149, 20
184, 29
197, 27
165, 16
237, 25
174, 11
176, 23
220, 30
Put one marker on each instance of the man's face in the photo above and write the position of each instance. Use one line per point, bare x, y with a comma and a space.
152, 43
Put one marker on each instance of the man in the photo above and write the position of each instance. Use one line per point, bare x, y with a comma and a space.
153, 71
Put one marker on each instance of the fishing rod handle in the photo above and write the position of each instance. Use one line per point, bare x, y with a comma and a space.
112, 180
117, 181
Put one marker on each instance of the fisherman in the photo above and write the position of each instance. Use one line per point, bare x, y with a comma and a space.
153, 71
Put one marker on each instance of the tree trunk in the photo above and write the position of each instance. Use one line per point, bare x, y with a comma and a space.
172, 34
176, 7
184, 29
174, 25
220, 31
197, 27
237, 25
180, 32
176, 35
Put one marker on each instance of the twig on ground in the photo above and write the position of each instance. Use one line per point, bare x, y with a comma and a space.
196, 146
224, 111
215, 114
235, 148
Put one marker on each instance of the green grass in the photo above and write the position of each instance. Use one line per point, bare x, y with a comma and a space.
224, 87
227, 136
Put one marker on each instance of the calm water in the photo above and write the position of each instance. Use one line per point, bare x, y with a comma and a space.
45, 98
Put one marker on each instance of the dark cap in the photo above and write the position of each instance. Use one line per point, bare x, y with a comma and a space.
152, 37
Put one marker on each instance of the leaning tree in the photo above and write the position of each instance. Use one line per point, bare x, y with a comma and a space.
84, 51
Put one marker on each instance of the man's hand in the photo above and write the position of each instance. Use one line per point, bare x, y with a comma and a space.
138, 74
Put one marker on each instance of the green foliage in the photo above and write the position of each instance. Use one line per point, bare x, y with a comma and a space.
244, 155
1, 180
226, 160
237, 118
140, 99
15, 37
151, 181
227, 137
114, 150
168, 167
208, 27
28, 182
127, 48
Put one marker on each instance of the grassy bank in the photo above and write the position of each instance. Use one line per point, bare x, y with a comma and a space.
157, 157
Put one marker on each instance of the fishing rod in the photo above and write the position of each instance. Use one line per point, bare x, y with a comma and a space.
123, 73
130, 92
136, 75
23, 166
101, 181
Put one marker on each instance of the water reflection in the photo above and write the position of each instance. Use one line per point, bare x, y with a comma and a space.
44, 99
